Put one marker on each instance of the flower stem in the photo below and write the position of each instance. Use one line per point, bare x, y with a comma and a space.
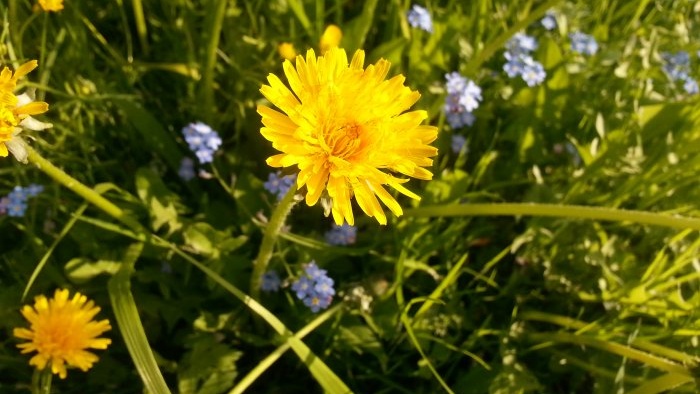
80, 189
562, 211
279, 215
41, 381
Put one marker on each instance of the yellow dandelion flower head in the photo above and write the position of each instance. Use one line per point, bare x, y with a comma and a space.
51, 5
61, 329
287, 51
331, 38
16, 111
345, 129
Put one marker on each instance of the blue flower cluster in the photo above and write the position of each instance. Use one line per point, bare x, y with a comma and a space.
519, 60
458, 142
278, 184
463, 97
186, 170
549, 22
203, 141
677, 67
341, 235
270, 281
15, 203
583, 43
314, 287
420, 17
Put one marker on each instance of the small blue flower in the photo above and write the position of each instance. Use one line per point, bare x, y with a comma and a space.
677, 65
420, 17
313, 272
520, 62
186, 171
18, 194
314, 287
303, 287
34, 189
463, 97
16, 208
458, 142
202, 140
690, 85
324, 287
583, 43
270, 281
549, 22
521, 44
341, 235
533, 73
4, 203
278, 184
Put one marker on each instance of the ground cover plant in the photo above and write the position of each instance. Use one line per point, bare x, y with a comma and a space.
293, 196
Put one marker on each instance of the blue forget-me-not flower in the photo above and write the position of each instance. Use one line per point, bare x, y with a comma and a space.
519, 61
341, 235
278, 184
420, 17
583, 43
463, 97
314, 287
202, 140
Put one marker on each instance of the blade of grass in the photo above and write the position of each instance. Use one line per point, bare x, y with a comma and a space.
45, 258
662, 384
263, 365
130, 325
556, 210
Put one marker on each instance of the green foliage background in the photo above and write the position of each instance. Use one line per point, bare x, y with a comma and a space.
468, 304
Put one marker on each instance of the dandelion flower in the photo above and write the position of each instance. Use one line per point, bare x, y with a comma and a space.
61, 329
343, 126
51, 5
331, 38
16, 111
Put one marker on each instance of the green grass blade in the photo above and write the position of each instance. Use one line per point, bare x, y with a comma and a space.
298, 10
328, 380
557, 210
45, 258
130, 326
263, 365
662, 384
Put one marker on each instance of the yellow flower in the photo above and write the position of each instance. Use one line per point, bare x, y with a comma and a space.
51, 5
287, 51
16, 111
331, 38
61, 330
342, 126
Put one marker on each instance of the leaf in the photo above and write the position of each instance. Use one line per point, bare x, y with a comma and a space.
209, 367
160, 201
208, 241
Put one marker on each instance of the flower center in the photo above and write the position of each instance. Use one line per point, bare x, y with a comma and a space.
343, 141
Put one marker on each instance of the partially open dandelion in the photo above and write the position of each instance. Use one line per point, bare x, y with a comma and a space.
343, 126
331, 38
16, 111
61, 330
287, 51
51, 5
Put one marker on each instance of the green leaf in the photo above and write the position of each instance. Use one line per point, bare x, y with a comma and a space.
209, 367
160, 201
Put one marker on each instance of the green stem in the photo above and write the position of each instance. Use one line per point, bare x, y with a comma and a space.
612, 347
207, 92
41, 381
555, 210
272, 231
80, 189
